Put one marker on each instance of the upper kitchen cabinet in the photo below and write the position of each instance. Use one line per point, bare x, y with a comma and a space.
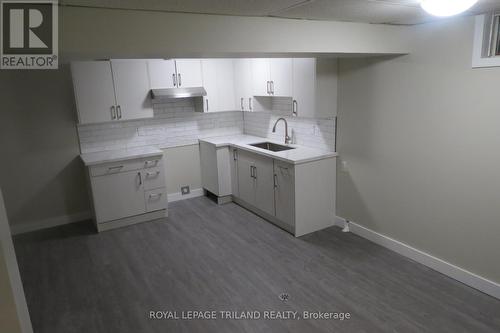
162, 73
132, 88
314, 86
218, 81
94, 91
188, 73
178, 73
243, 84
272, 77
111, 91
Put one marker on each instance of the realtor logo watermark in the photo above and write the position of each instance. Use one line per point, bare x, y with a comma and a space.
29, 34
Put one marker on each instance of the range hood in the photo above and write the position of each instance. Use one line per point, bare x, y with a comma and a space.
170, 93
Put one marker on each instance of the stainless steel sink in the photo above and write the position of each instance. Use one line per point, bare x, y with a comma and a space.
271, 146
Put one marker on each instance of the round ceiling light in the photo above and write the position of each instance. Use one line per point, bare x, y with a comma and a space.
446, 7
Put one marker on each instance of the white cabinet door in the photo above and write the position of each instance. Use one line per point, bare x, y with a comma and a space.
94, 91
225, 85
132, 89
246, 183
260, 77
162, 73
243, 83
117, 196
304, 87
188, 73
264, 187
209, 70
234, 171
284, 192
281, 76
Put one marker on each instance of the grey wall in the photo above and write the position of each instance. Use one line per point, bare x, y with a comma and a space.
420, 135
40, 173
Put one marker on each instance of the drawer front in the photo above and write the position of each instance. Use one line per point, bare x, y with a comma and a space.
124, 166
156, 199
153, 178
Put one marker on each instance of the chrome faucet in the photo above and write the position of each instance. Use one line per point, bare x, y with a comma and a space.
288, 139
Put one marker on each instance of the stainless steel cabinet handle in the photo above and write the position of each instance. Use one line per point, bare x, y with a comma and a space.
295, 108
113, 113
155, 195
251, 171
151, 174
250, 103
140, 178
255, 172
275, 179
147, 163
207, 104
235, 155
119, 111
272, 87
179, 81
241, 103
174, 81
115, 167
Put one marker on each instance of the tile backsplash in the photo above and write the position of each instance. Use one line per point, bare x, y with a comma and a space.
176, 123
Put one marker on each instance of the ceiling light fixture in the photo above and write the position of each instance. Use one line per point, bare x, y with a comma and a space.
446, 7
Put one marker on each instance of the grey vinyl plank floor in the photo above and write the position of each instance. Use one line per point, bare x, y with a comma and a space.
210, 257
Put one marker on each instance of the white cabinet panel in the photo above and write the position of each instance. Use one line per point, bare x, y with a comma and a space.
162, 73
246, 182
264, 188
132, 89
94, 91
117, 196
260, 77
304, 87
234, 171
188, 73
225, 85
284, 192
243, 84
280, 70
209, 70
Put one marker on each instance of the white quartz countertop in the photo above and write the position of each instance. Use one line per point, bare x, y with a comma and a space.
119, 155
298, 155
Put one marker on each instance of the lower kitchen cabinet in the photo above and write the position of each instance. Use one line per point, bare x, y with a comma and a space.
127, 192
284, 192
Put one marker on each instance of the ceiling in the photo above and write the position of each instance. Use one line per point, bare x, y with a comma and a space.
369, 11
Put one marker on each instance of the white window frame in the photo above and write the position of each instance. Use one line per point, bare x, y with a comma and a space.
483, 42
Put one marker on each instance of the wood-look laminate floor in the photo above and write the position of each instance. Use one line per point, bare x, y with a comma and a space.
209, 257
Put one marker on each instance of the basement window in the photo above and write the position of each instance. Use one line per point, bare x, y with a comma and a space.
486, 51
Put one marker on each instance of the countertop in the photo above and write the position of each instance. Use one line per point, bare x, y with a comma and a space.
119, 155
299, 155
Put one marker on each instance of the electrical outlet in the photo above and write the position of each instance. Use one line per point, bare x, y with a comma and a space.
185, 190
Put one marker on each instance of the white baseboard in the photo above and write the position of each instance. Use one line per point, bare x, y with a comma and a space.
21, 228
197, 192
473, 280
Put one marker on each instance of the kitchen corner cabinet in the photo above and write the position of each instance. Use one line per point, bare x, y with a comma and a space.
314, 87
218, 81
216, 171
127, 192
272, 77
111, 90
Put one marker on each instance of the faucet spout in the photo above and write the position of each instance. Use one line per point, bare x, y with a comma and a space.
288, 139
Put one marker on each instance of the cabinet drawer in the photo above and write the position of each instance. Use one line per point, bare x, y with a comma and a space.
156, 199
153, 178
124, 166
